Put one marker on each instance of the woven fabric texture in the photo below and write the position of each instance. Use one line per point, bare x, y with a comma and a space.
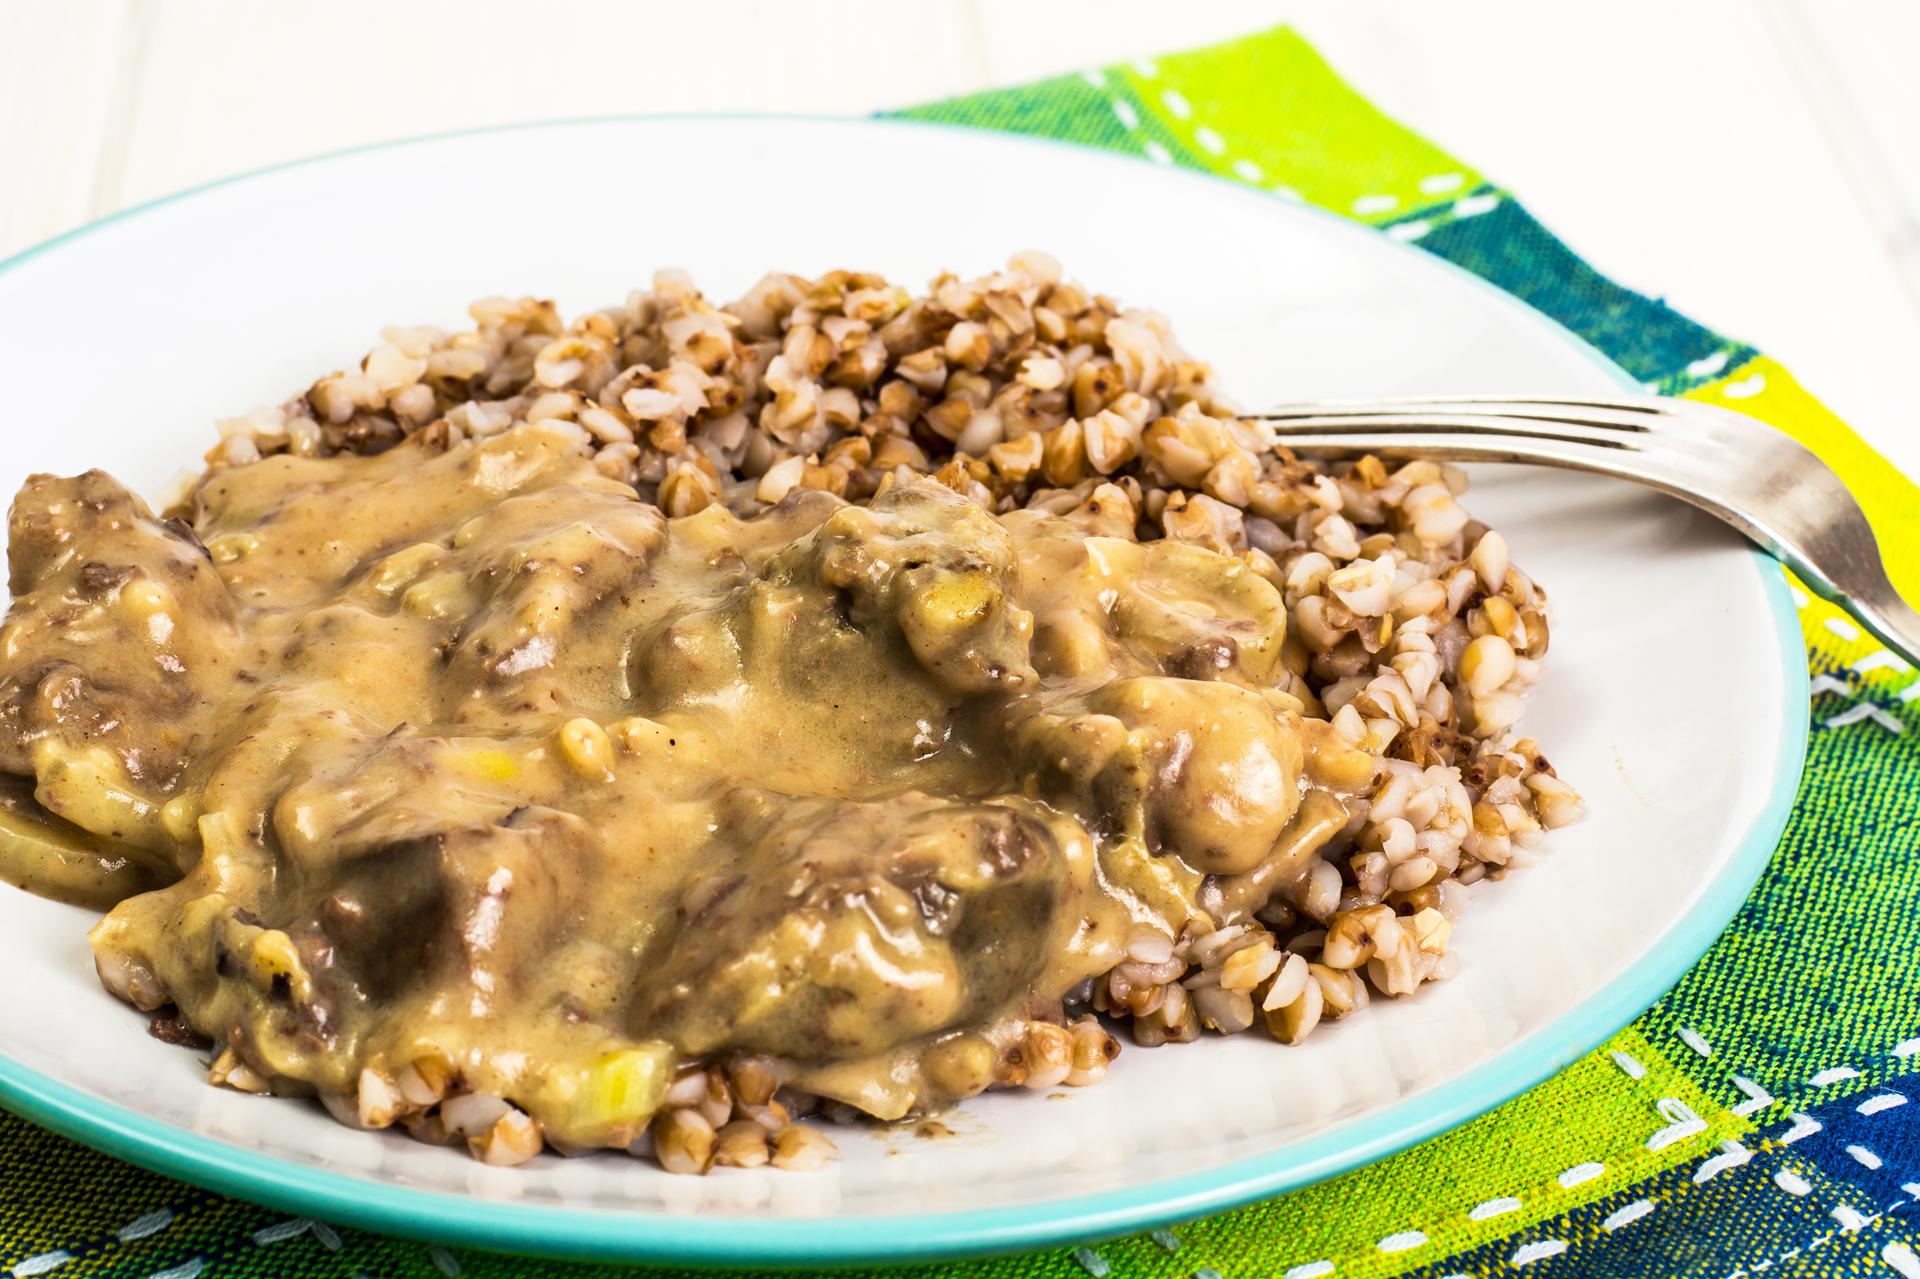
1756, 1120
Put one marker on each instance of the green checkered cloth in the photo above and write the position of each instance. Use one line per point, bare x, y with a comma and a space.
1753, 1121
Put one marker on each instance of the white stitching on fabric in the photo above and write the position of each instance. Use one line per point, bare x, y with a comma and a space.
1851, 1222
1682, 1123
1866, 710
1205, 137
1791, 1182
1901, 1258
1580, 1174
1627, 1215
1879, 659
1758, 1098
1732, 1155
140, 1227
282, 1232
1708, 365
1092, 1262
1851, 1219
1538, 1250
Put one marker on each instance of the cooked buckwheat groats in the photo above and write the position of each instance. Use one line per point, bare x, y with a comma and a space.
645, 731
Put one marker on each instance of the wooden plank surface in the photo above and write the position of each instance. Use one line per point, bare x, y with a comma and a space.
68, 73
1756, 162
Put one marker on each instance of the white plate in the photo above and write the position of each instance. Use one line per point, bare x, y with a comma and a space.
1675, 697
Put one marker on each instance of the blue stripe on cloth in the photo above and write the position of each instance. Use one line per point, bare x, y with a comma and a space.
1508, 247
1811, 1207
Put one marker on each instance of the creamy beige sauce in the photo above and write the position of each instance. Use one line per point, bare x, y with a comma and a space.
473, 757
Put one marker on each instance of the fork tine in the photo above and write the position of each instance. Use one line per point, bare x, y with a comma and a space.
1450, 425
1619, 416
1644, 408
1645, 405
1572, 452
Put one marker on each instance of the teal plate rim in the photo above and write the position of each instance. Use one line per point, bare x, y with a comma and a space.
895, 1240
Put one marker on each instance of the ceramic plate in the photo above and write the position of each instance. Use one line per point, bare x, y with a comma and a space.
1675, 697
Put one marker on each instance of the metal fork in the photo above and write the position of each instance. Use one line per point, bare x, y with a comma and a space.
1760, 480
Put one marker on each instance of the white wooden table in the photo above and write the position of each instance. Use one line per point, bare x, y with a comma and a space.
1756, 162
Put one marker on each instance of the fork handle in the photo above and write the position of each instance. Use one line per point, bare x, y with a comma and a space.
1887, 616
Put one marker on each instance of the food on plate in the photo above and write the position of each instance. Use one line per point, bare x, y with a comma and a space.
646, 731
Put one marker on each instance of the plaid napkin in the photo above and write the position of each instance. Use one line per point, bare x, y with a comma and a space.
1755, 1121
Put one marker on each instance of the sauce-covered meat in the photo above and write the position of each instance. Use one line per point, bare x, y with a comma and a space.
470, 765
